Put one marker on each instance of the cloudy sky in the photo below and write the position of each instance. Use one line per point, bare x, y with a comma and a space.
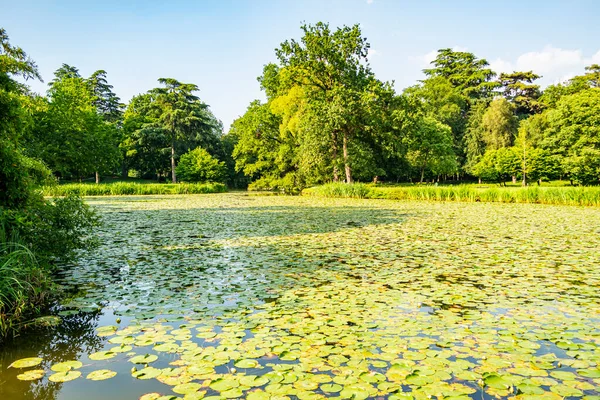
222, 45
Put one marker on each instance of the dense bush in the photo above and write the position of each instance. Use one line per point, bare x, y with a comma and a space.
199, 166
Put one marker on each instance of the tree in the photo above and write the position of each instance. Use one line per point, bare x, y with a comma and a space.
332, 70
199, 166
498, 165
499, 124
175, 109
465, 72
69, 135
518, 88
106, 102
430, 144
573, 134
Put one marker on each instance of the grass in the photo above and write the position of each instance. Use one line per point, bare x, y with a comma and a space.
132, 188
580, 196
24, 286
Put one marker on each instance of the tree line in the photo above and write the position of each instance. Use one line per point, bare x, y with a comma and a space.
326, 118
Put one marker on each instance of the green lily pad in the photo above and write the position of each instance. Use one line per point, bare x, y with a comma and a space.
66, 366
101, 374
65, 376
32, 375
102, 355
145, 359
331, 388
246, 364
26, 362
187, 388
146, 373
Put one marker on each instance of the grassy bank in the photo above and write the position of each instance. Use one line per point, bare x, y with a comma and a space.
132, 188
24, 286
581, 196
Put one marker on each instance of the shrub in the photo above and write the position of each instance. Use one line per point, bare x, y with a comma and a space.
199, 166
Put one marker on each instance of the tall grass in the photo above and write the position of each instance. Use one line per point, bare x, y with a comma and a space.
132, 188
24, 286
580, 196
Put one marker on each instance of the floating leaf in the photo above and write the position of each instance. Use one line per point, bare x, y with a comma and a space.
65, 376
66, 366
101, 374
145, 359
26, 362
32, 375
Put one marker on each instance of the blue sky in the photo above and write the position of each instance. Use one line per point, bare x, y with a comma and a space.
222, 45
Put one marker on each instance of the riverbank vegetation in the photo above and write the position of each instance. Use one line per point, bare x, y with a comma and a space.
34, 232
132, 188
578, 196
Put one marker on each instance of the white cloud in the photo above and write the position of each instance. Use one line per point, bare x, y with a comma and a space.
370, 1
553, 63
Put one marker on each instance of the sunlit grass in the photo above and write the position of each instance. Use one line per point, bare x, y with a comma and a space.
582, 196
132, 188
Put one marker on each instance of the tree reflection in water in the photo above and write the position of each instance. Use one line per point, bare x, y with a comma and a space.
74, 336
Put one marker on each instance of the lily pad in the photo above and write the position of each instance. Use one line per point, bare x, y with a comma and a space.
101, 374
32, 375
65, 376
26, 362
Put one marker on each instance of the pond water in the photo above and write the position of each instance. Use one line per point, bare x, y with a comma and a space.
270, 297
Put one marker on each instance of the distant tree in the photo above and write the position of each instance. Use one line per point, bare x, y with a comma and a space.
430, 144
179, 112
106, 102
573, 134
499, 124
518, 88
470, 75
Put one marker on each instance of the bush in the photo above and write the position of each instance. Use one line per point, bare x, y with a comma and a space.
199, 166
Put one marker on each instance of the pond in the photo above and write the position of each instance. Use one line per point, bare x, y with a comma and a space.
273, 297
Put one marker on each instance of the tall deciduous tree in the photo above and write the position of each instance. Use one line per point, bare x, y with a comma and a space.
499, 124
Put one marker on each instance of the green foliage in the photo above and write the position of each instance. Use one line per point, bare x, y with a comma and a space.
337, 189
465, 72
165, 123
430, 145
573, 134
34, 231
518, 88
199, 166
24, 286
499, 165
499, 124
131, 188
560, 196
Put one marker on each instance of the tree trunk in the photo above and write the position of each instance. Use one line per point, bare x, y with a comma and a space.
124, 171
514, 179
346, 164
173, 177
336, 173
480, 181
422, 174
97, 178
